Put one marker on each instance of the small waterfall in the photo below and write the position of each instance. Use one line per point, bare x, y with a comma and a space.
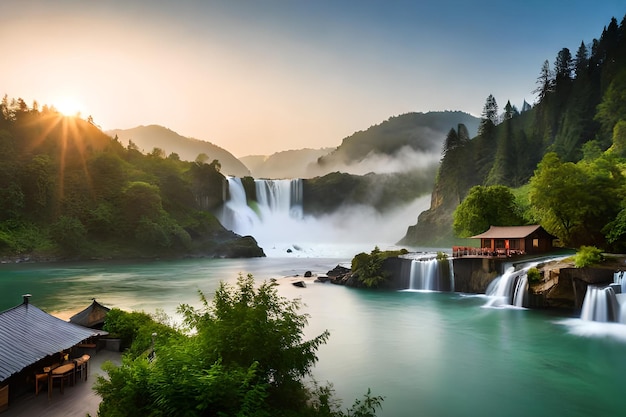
431, 275
601, 305
620, 280
510, 289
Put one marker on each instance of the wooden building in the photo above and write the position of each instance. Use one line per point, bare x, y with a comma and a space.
516, 240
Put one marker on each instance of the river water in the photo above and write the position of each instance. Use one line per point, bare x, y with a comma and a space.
428, 353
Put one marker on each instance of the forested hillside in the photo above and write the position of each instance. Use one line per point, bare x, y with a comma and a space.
146, 138
562, 159
67, 190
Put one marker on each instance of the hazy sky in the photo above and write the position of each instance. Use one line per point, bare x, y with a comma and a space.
256, 77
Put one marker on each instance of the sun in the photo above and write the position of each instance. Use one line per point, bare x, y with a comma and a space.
68, 106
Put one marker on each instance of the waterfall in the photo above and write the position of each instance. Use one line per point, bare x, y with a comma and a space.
510, 289
274, 199
236, 214
601, 305
620, 280
431, 275
279, 197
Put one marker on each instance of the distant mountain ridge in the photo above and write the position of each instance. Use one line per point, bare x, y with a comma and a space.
285, 164
402, 143
154, 136
420, 131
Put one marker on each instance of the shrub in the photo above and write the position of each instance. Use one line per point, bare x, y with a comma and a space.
369, 268
588, 255
533, 275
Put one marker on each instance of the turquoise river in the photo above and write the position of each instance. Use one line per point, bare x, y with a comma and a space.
429, 354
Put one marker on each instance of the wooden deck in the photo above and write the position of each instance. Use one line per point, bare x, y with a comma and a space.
76, 401
473, 252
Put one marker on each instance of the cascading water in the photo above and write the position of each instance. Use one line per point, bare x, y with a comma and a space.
236, 214
509, 289
601, 305
431, 275
274, 198
279, 197
275, 217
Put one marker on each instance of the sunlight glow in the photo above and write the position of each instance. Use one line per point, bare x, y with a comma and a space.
68, 106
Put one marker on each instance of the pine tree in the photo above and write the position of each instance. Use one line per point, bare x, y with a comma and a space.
545, 82
581, 63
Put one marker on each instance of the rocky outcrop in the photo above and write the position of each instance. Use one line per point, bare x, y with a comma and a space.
564, 287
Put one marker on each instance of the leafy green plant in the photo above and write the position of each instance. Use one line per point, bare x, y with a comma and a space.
533, 275
369, 267
588, 255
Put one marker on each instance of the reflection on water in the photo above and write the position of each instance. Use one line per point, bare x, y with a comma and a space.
428, 353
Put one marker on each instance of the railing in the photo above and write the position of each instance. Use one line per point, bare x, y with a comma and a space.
460, 251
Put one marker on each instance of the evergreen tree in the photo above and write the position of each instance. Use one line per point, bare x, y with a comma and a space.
545, 82
581, 62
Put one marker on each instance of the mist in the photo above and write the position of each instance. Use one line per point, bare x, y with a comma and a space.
403, 160
346, 232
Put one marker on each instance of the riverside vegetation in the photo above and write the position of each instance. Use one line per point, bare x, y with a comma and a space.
560, 163
241, 354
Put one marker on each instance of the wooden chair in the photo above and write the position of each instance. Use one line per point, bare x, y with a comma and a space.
82, 364
41, 379
61, 373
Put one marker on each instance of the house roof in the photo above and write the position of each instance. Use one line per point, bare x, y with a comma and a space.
28, 334
92, 316
509, 232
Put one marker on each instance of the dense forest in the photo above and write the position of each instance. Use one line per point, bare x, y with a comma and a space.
560, 163
67, 190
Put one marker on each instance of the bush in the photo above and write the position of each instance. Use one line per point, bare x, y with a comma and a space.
588, 255
369, 268
533, 275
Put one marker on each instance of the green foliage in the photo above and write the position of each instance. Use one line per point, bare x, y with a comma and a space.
244, 354
369, 267
563, 202
587, 256
533, 274
69, 233
68, 190
484, 207
441, 256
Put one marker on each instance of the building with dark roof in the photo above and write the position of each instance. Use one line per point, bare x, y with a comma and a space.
29, 336
530, 240
93, 316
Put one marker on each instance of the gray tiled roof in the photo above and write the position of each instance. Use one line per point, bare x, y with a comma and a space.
28, 334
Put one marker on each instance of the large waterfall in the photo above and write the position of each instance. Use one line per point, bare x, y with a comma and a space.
431, 275
276, 200
273, 213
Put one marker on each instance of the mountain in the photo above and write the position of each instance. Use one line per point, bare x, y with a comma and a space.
286, 164
153, 136
407, 141
567, 152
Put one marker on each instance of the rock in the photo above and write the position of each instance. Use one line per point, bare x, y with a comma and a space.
300, 284
322, 278
308, 274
